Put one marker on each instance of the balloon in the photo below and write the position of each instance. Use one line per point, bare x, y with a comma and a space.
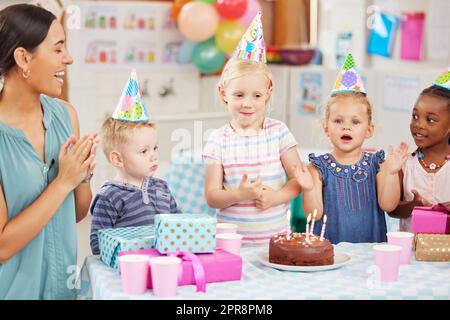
198, 21
253, 7
228, 34
207, 57
231, 9
176, 7
207, 1
185, 51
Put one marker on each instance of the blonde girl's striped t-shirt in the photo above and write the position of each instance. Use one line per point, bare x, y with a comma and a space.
252, 155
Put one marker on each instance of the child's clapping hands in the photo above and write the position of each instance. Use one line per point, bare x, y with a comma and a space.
250, 190
303, 176
396, 159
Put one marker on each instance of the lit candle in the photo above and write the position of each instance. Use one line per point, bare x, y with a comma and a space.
322, 233
313, 221
307, 225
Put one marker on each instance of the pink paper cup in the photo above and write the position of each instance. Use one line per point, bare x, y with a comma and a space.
133, 273
404, 240
387, 259
165, 272
230, 242
226, 228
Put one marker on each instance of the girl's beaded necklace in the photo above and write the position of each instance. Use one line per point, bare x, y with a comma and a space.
432, 166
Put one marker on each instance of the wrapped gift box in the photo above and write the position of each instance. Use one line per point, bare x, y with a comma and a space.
432, 247
194, 233
187, 168
113, 241
434, 219
218, 266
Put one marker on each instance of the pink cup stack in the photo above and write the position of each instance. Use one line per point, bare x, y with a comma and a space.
230, 242
387, 259
133, 273
165, 272
404, 240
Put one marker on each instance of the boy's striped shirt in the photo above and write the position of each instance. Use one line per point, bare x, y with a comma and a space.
123, 205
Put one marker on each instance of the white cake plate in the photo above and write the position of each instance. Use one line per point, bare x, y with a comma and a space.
340, 259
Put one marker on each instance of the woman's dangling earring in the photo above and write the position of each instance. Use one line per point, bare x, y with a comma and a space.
26, 74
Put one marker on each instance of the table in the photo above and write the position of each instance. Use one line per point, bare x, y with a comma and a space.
355, 280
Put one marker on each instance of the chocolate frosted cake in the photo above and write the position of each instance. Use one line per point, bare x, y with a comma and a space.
300, 250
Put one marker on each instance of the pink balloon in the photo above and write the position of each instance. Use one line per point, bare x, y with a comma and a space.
253, 7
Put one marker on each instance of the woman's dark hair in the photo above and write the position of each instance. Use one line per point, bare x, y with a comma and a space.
21, 25
438, 92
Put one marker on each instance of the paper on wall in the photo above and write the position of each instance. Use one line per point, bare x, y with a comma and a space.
124, 34
438, 35
400, 92
309, 94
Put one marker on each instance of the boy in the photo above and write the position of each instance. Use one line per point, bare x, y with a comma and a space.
129, 142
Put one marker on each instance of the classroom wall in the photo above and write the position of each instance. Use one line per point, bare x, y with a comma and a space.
355, 16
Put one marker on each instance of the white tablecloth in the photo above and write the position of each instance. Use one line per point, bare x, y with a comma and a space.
355, 280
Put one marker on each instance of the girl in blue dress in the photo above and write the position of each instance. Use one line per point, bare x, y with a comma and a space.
353, 188
44, 166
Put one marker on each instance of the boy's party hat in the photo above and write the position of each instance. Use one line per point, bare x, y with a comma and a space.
348, 79
443, 80
252, 46
131, 108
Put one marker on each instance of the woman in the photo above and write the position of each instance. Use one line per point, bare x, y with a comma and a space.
44, 167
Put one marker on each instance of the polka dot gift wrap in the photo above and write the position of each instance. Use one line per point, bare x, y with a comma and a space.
432, 247
195, 233
112, 241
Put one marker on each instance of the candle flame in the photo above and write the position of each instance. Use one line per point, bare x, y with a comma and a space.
309, 218
325, 219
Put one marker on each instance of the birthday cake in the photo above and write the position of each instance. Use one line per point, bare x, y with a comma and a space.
300, 249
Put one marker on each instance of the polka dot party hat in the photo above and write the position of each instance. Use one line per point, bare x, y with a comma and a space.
443, 80
131, 107
348, 79
252, 46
